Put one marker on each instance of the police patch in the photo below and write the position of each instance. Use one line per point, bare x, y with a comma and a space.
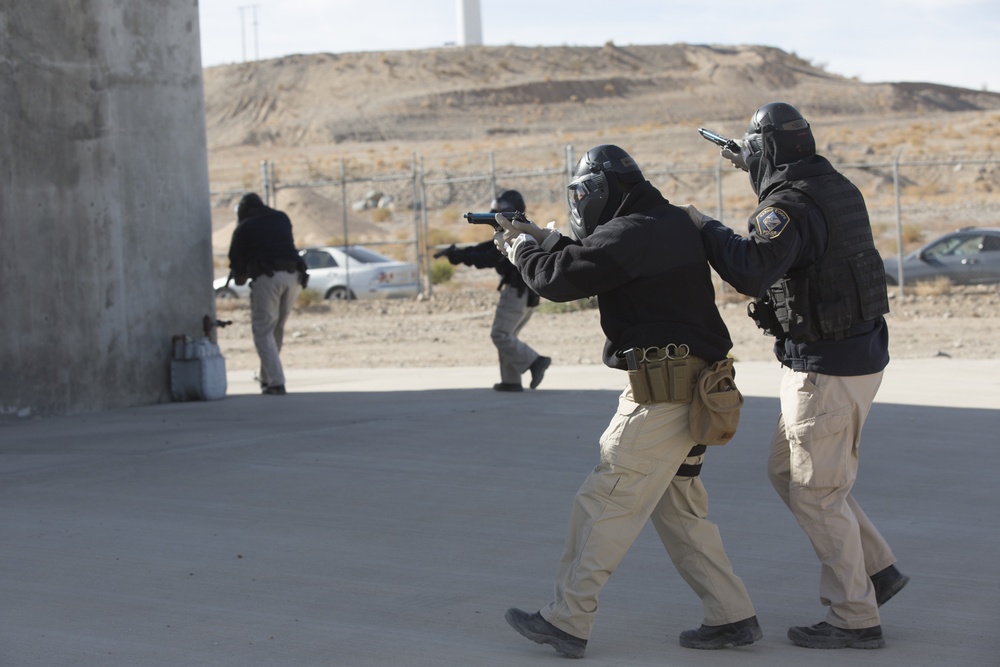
771, 222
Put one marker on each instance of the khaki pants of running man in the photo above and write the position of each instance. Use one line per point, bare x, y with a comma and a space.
271, 299
641, 451
512, 314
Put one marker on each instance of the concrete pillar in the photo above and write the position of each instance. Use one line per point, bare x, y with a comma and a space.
105, 229
470, 23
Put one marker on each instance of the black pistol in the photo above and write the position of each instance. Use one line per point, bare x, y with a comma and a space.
720, 141
491, 218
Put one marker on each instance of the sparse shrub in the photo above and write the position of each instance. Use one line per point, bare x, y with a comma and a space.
441, 271
381, 215
315, 170
936, 287
912, 235
307, 298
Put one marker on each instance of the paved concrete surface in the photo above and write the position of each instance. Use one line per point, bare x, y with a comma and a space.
390, 517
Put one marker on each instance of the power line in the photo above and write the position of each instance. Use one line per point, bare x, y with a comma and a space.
243, 32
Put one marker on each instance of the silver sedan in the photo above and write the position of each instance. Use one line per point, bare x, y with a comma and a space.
354, 272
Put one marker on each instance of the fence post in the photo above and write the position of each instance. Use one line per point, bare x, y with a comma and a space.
347, 241
265, 183
570, 170
425, 250
493, 175
899, 223
419, 230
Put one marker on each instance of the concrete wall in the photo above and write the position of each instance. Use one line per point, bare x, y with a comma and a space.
105, 231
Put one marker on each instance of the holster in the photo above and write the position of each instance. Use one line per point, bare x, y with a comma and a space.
762, 313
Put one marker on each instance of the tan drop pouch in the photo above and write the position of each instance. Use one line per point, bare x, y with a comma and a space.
715, 405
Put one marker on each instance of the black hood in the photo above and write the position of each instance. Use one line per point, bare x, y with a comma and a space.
767, 172
250, 206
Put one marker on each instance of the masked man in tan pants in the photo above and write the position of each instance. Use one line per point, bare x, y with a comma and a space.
640, 257
811, 263
515, 305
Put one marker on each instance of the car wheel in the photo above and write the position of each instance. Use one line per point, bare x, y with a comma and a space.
226, 293
340, 293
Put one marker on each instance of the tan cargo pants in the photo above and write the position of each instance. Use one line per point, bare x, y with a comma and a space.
512, 314
813, 465
271, 299
641, 451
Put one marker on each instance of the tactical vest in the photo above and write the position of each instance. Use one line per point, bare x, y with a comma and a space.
846, 286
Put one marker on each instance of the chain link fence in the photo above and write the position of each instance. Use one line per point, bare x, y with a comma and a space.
402, 214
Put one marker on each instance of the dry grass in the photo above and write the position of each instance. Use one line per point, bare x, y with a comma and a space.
940, 286
308, 298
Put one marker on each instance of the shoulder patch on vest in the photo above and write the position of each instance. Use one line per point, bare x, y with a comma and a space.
770, 222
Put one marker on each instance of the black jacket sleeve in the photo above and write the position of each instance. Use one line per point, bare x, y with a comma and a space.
754, 263
481, 256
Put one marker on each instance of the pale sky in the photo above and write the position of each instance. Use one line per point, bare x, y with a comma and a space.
952, 42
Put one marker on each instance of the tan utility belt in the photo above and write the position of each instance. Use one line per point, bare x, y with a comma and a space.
663, 374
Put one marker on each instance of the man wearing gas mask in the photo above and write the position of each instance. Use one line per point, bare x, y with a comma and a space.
515, 305
642, 259
819, 284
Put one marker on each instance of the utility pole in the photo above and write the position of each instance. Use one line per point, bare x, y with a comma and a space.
243, 31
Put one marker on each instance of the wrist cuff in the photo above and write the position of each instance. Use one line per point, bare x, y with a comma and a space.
551, 240
517, 244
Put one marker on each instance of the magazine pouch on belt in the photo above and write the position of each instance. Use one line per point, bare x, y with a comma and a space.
715, 406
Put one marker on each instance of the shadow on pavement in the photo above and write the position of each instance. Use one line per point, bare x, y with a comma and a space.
394, 528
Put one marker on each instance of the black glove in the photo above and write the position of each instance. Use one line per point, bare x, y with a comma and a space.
739, 160
447, 253
302, 270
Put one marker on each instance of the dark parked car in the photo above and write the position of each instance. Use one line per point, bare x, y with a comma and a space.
965, 257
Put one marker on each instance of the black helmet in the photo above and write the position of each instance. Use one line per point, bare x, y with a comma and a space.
793, 140
249, 206
602, 178
508, 201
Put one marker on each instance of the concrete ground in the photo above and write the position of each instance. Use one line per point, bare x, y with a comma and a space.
390, 517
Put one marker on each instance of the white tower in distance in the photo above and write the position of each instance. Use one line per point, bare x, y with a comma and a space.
470, 23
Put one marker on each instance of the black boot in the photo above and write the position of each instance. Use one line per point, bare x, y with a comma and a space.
887, 583
729, 635
537, 368
540, 631
824, 635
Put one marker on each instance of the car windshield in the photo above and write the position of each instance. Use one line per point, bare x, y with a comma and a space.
318, 259
956, 245
366, 256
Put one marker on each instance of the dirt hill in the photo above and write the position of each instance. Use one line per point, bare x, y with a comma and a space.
474, 93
